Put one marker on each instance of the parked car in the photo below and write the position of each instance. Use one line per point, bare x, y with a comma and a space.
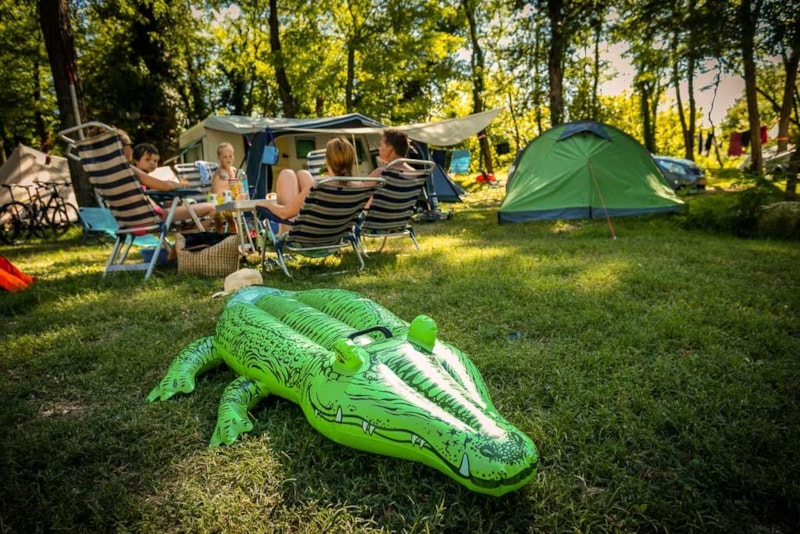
681, 173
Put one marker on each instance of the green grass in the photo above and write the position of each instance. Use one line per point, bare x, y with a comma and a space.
657, 373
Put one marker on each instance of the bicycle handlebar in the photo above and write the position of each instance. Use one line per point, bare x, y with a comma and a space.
53, 184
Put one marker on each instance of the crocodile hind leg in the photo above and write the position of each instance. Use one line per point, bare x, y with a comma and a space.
232, 419
197, 358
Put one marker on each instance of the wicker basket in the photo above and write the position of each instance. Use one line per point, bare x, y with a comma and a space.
219, 260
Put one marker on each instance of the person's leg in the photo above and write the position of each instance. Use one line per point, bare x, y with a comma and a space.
201, 209
287, 187
231, 223
290, 187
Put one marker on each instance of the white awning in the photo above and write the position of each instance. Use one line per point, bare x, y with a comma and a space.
441, 133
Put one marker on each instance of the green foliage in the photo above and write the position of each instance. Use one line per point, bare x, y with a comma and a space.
780, 220
739, 213
27, 102
155, 67
142, 67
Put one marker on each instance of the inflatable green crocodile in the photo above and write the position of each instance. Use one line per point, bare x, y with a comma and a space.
363, 377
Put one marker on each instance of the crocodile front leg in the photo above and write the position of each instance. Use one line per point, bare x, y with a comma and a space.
232, 419
197, 358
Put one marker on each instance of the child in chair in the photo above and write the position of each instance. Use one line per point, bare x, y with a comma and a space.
145, 160
225, 179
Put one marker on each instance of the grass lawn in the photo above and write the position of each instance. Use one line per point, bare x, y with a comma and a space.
657, 373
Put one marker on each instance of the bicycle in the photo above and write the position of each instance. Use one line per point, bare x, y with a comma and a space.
59, 213
35, 217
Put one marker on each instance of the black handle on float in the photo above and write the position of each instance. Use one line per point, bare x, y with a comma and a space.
382, 329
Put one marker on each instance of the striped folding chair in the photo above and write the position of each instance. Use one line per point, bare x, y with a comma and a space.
325, 224
315, 161
389, 214
198, 174
99, 150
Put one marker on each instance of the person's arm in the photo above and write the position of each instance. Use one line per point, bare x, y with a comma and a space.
286, 211
155, 184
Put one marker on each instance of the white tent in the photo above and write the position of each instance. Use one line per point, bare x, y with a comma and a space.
26, 165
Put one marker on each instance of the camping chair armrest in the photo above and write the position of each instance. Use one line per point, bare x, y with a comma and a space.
269, 216
369, 179
161, 196
179, 194
81, 131
419, 164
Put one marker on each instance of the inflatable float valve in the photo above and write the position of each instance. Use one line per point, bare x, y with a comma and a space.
422, 332
348, 355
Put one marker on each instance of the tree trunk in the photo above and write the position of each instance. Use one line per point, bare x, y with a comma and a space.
676, 84
648, 129
692, 107
284, 88
60, 45
597, 24
537, 80
478, 68
790, 65
514, 122
748, 20
555, 60
45, 143
791, 176
351, 76
690, 67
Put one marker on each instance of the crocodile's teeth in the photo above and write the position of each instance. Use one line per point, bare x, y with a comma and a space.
414, 439
371, 429
364, 426
316, 412
464, 469
339, 415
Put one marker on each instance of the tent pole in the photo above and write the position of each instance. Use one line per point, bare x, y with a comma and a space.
602, 202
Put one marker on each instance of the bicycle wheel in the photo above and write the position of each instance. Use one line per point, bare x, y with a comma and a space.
38, 224
14, 218
62, 217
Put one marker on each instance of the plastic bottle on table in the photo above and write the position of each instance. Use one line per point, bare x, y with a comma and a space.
244, 191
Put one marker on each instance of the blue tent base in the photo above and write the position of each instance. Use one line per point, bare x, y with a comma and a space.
581, 213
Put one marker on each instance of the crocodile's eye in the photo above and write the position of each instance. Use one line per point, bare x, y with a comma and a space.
348, 355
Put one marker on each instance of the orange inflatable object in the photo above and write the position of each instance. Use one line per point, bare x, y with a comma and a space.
12, 279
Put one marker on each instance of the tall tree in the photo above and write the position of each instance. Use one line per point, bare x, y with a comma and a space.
478, 69
555, 60
748, 15
60, 43
279, 62
784, 40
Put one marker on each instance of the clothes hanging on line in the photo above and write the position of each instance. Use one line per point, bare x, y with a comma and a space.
745, 139
709, 142
735, 144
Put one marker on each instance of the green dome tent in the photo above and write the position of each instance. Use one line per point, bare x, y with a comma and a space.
584, 170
